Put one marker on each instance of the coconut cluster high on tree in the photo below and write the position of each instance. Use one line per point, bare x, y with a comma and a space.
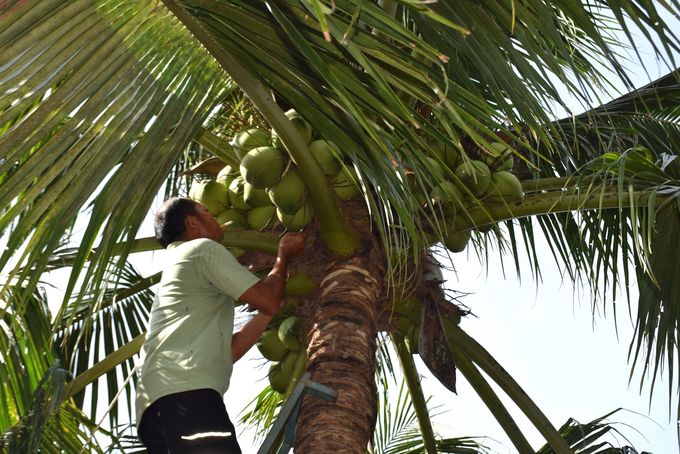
267, 188
266, 193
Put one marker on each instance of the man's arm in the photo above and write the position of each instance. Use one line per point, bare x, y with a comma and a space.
267, 294
248, 335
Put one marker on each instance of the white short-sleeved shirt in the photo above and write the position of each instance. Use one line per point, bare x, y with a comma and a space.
188, 342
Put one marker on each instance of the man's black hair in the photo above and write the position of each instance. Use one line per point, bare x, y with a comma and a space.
169, 221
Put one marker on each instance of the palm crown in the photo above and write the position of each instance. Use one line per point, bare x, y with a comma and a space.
107, 103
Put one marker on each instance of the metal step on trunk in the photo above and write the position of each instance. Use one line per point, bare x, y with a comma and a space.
287, 418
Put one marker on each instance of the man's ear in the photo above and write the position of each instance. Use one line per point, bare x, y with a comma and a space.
191, 223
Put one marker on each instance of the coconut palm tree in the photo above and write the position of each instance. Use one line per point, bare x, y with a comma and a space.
106, 103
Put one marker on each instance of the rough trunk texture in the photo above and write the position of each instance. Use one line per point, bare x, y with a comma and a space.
341, 355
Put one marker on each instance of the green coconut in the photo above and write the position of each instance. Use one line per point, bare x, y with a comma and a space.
456, 242
270, 346
236, 194
303, 128
278, 379
281, 373
289, 195
245, 141
262, 167
297, 221
289, 333
255, 197
475, 175
299, 284
288, 362
231, 218
412, 340
416, 188
326, 154
260, 218
500, 156
345, 184
446, 192
211, 194
226, 175
434, 166
505, 187
406, 314
447, 153
237, 252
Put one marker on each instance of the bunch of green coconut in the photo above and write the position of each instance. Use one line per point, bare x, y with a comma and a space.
406, 319
284, 347
267, 188
467, 182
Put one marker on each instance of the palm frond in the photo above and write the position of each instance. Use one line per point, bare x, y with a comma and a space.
112, 91
262, 411
372, 87
100, 101
632, 141
35, 413
49, 423
658, 319
586, 438
96, 325
397, 429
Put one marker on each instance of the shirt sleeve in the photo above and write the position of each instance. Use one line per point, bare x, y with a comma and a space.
225, 272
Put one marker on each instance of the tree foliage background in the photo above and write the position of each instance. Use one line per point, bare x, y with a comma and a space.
106, 103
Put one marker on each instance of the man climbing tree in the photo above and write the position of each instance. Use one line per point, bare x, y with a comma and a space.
189, 348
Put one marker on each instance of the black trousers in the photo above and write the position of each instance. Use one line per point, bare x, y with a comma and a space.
188, 422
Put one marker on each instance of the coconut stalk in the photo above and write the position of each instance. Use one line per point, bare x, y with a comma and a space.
338, 236
267, 243
539, 204
217, 146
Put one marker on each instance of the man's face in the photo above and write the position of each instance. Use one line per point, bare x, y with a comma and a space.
209, 228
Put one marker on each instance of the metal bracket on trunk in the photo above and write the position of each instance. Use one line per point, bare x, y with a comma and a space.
287, 418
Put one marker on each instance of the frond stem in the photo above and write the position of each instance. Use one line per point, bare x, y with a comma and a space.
104, 366
338, 236
551, 203
473, 350
408, 366
217, 146
491, 400
250, 240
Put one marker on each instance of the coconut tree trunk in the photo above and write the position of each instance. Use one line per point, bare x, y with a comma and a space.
341, 355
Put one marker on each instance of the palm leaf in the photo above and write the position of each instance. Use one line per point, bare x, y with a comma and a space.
397, 429
585, 438
96, 325
35, 413
133, 74
640, 134
262, 411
